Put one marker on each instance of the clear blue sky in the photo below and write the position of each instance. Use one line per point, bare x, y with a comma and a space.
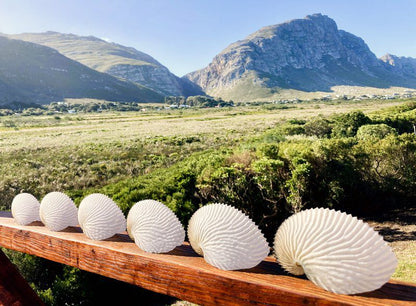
185, 35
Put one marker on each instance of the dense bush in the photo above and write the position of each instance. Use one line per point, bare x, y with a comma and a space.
198, 101
319, 127
347, 125
272, 177
57, 284
374, 132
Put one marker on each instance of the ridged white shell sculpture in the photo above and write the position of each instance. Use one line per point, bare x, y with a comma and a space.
100, 217
226, 237
336, 251
25, 209
154, 227
57, 211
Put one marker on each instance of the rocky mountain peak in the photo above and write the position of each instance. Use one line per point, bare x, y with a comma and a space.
403, 66
389, 59
309, 54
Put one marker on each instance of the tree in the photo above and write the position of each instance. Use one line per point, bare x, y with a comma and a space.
347, 125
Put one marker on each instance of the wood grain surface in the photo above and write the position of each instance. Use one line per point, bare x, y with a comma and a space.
182, 273
14, 290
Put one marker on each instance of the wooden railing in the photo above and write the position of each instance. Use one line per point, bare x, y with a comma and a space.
182, 273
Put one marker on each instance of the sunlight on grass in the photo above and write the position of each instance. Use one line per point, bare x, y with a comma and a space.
406, 254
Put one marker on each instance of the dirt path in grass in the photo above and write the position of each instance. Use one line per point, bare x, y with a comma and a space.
400, 232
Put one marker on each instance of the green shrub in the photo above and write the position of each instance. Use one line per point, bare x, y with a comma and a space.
319, 127
374, 132
347, 125
292, 129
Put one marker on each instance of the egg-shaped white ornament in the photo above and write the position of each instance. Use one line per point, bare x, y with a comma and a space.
57, 211
226, 237
154, 227
100, 217
25, 209
336, 251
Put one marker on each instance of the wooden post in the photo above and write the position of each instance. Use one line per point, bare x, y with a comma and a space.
14, 290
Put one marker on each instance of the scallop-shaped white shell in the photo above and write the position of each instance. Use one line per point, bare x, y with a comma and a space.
226, 237
25, 209
100, 217
57, 211
336, 251
154, 227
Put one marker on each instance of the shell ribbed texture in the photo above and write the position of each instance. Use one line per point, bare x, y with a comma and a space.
57, 211
336, 251
226, 237
100, 217
154, 227
25, 209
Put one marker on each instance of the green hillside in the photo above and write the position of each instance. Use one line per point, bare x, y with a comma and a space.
89, 50
116, 60
31, 73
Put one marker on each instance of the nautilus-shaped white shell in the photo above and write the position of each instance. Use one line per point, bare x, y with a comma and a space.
25, 209
154, 227
226, 237
57, 211
336, 251
100, 217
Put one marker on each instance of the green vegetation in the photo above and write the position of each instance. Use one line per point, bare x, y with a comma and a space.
74, 107
267, 162
198, 101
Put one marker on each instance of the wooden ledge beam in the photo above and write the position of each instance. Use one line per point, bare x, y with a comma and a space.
182, 273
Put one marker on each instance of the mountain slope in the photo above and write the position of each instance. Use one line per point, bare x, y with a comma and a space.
116, 60
307, 55
403, 66
32, 73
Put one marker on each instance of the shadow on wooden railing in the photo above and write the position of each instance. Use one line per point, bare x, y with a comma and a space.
183, 274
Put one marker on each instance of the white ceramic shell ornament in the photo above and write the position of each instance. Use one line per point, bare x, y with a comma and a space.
226, 237
336, 251
154, 227
57, 211
25, 209
100, 217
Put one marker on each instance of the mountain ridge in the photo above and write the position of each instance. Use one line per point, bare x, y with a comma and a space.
307, 55
115, 59
301, 56
33, 73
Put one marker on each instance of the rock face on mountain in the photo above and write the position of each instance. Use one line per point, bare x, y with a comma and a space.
308, 54
31, 73
403, 66
117, 60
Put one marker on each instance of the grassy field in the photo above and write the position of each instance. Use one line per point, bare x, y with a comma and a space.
87, 152
77, 129
78, 151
